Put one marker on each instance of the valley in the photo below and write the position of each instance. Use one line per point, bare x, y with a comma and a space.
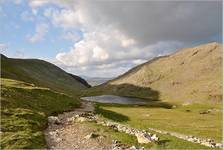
182, 98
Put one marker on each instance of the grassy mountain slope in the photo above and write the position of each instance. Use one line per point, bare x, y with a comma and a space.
190, 75
24, 111
41, 73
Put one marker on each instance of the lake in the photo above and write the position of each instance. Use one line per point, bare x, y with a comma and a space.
114, 99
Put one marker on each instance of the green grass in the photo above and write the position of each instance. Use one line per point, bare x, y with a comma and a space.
40, 73
24, 112
166, 141
175, 120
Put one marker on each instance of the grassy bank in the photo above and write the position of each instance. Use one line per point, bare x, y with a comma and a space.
183, 119
24, 111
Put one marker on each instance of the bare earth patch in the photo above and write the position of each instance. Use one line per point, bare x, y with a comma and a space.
66, 135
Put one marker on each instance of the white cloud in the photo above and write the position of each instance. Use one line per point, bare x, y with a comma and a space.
72, 36
66, 18
38, 3
99, 47
3, 47
40, 31
118, 35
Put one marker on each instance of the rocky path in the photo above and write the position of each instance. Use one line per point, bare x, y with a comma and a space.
61, 134
66, 131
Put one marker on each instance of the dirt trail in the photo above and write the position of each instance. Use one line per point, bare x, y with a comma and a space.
68, 135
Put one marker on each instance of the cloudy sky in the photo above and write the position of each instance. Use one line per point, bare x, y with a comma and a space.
104, 38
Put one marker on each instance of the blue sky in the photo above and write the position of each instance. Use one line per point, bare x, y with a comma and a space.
104, 38
16, 31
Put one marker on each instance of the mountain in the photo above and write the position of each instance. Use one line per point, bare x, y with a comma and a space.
94, 81
41, 73
32, 90
189, 75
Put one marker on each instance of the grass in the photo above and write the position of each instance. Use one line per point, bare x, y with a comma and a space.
189, 75
176, 120
166, 141
41, 73
24, 112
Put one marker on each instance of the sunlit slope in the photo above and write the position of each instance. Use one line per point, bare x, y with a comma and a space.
190, 75
41, 73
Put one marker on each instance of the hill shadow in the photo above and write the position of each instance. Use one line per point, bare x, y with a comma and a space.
128, 90
111, 114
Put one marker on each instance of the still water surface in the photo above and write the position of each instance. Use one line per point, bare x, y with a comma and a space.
114, 99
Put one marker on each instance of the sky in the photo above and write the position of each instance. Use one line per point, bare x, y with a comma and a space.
105, 38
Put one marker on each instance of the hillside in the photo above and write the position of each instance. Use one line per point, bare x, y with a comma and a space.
24, 112
189, 75
41, 73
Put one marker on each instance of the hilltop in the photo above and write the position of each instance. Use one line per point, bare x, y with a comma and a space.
189, 75
41, 73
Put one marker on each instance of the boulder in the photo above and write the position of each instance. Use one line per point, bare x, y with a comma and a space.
81, 119
53, 120
71, 119
143, 138
154, 137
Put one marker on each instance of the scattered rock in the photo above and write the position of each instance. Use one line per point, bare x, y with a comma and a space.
205, 112
53, 120
91, 135
142, 135
154, 138
174, 106
81, 119
143, 138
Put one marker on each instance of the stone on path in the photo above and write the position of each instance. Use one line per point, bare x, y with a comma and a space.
81, 119
90, 136
143, 138
53, 120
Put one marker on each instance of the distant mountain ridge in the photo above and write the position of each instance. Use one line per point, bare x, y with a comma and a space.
41, 73
95, 81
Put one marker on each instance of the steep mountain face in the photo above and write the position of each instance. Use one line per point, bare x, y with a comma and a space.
190, 75
41, 73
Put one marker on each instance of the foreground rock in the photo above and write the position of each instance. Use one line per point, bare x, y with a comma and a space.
143, 138
53, 120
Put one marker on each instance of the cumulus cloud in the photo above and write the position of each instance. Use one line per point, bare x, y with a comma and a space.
125, 33
40, 31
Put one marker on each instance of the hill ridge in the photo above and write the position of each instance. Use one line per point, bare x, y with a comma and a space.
189, 75
41, 73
